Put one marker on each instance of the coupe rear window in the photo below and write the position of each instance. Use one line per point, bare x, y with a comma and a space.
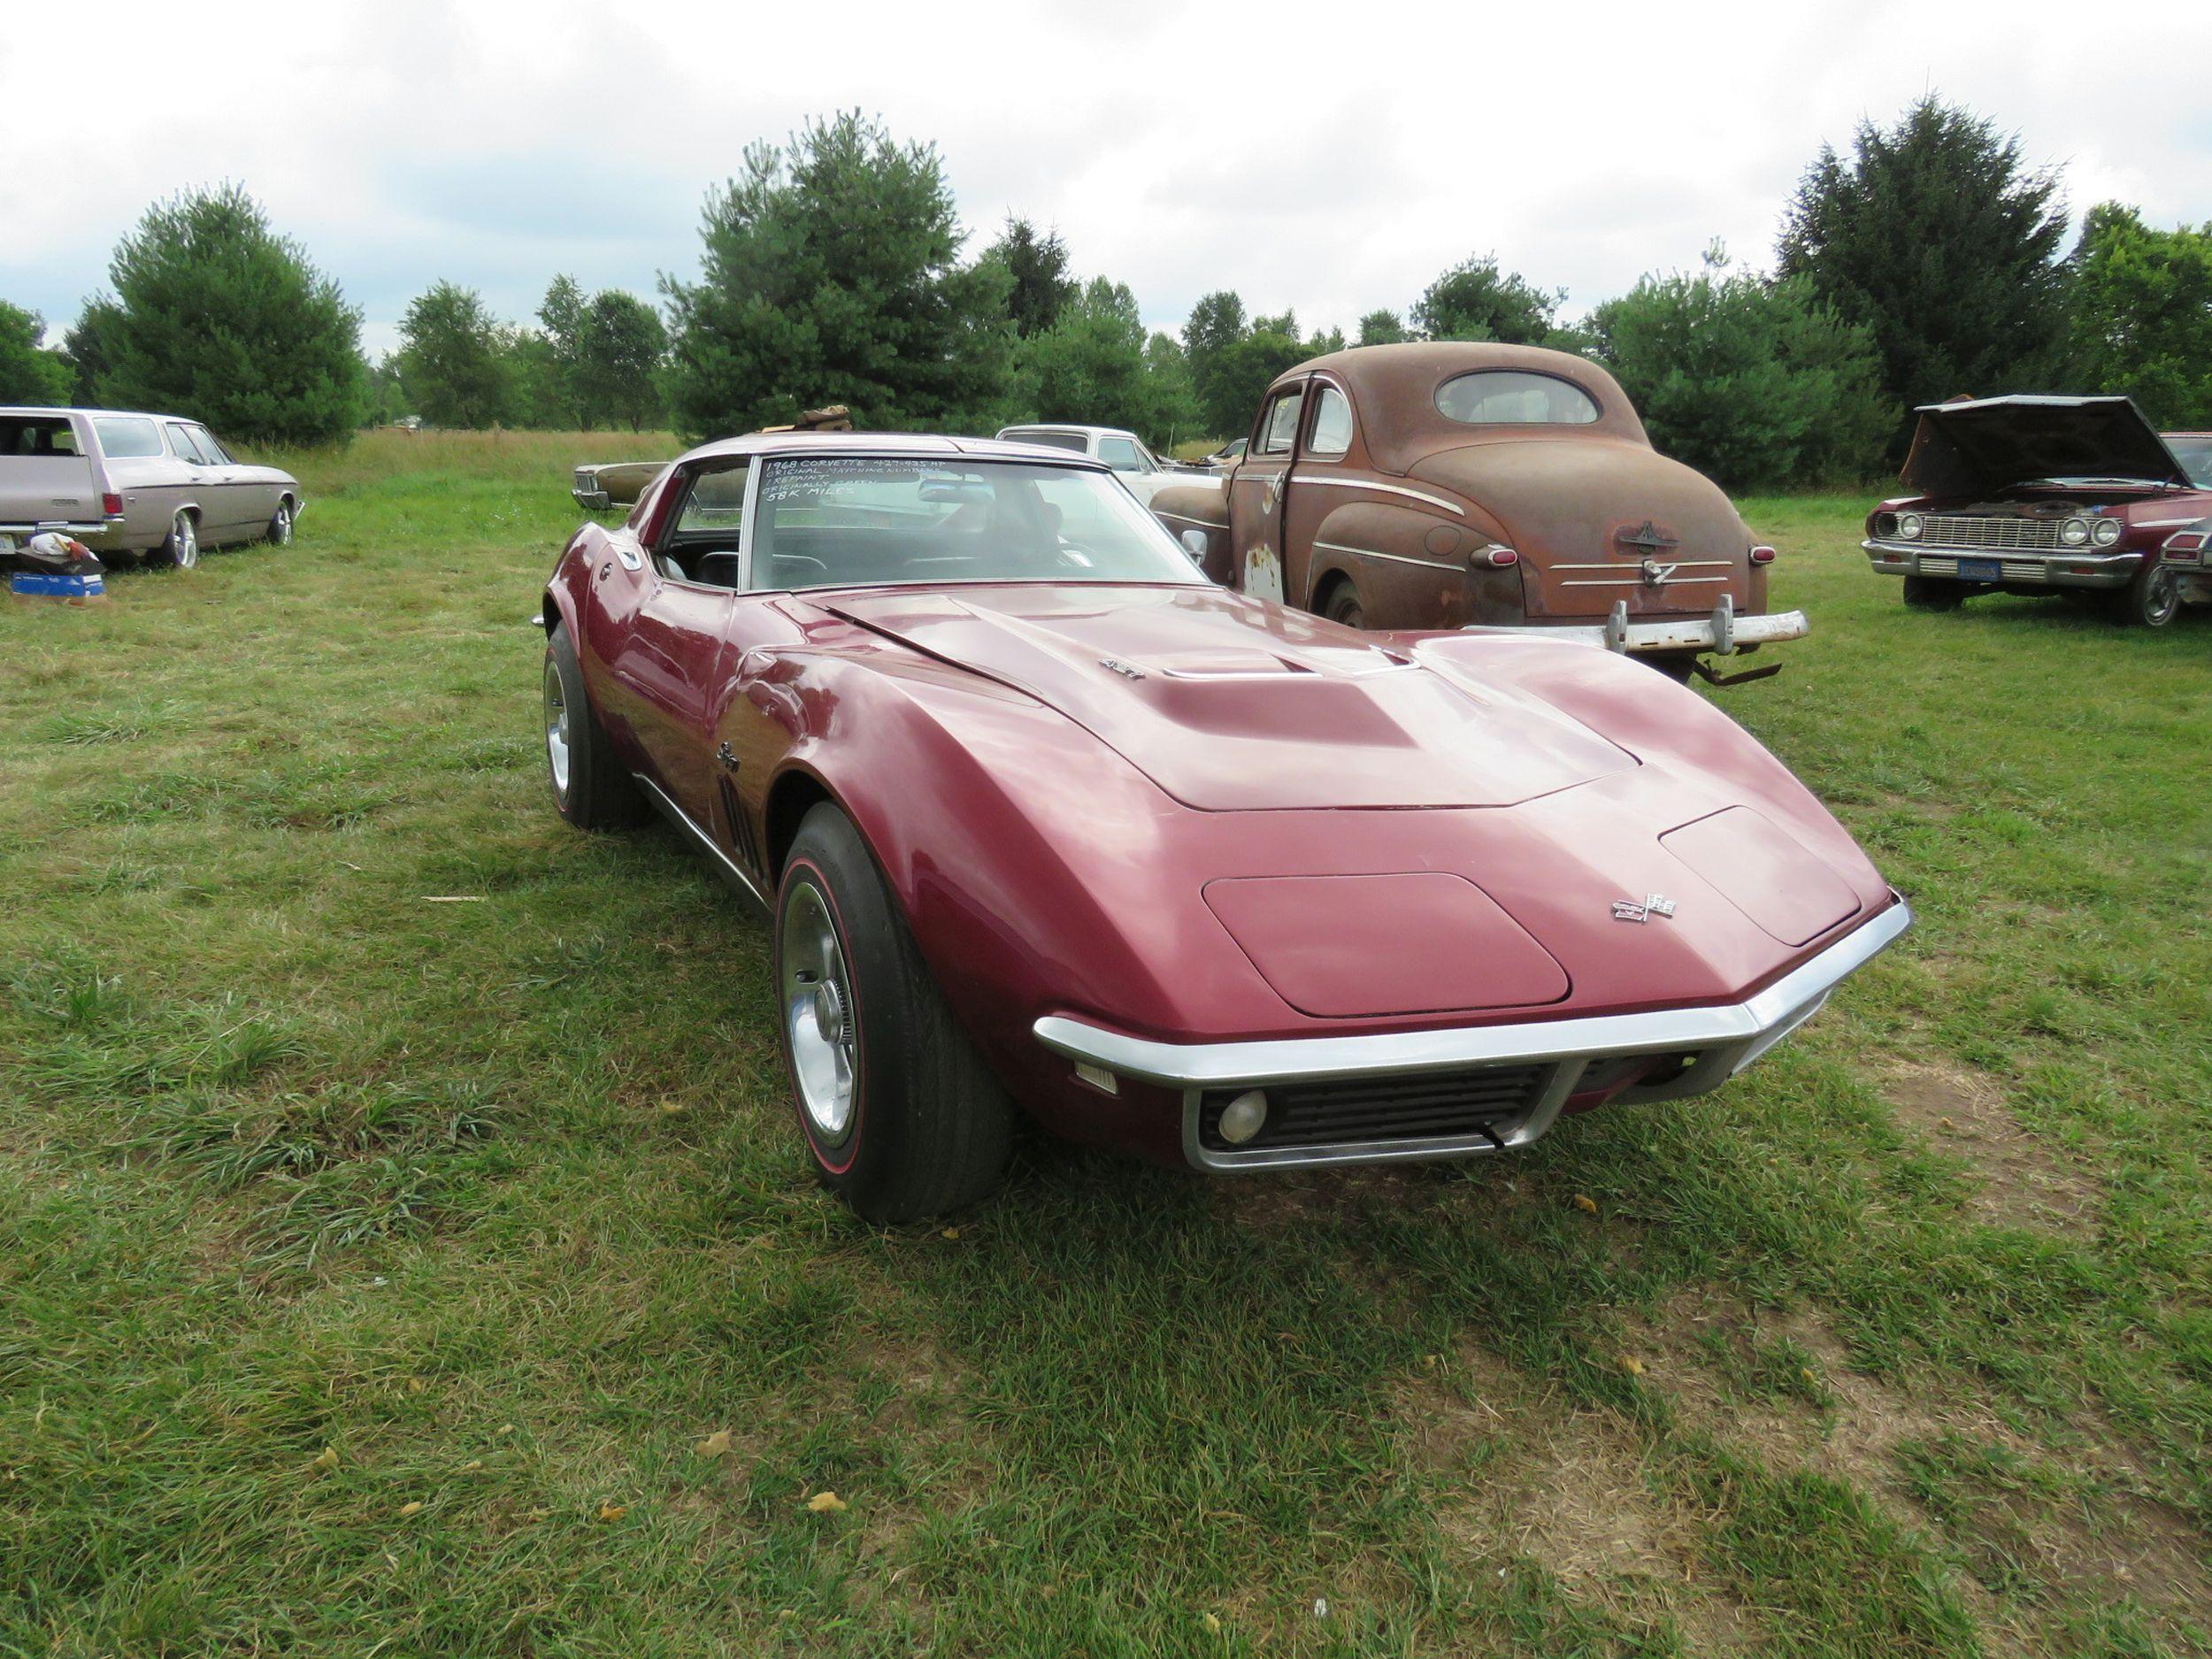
1510, 397
849, 520
127, 439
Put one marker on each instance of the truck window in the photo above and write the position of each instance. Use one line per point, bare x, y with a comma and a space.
1071, 441
1282, 423
1332, 423
126, 440
1120, 454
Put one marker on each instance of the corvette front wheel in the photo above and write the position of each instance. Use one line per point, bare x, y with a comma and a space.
902, 1117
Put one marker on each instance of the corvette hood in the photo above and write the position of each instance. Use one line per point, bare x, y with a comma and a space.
1231, 705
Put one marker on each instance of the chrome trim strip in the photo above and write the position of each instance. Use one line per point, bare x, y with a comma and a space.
1679, 564
1184, 517
726, 867
1396, 558
1219, 1064
1637, 581
1369, 483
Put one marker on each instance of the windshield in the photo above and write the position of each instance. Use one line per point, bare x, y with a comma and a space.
2195, 455
847, 520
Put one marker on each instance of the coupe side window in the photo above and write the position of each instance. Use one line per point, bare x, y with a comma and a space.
181, 446
1121, 454
1282, 423
1332, 423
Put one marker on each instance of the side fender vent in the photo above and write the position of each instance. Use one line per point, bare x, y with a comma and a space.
743, 842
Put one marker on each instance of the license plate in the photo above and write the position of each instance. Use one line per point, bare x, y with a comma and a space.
1981, 571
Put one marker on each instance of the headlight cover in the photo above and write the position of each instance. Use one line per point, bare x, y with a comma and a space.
2075, 533
2105, 532
1908, 527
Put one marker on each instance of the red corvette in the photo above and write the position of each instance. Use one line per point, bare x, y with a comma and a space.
1044, 821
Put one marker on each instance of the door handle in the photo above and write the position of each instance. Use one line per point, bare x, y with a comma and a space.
606, 570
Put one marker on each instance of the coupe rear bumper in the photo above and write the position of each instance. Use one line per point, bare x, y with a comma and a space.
1398, 1098
1722, 631
2084, 568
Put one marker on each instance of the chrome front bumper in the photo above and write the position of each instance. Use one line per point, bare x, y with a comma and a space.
1724, 1040
2086, 568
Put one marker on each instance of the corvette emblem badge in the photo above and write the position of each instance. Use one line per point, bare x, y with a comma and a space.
1641, 911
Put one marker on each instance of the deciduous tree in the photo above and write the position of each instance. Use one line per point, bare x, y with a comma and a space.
624, 346
29, 373
1474, 300
2142, 314
453, 358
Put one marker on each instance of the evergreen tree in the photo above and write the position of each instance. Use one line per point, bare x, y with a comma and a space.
2142, 314
1475, 300
561, 312
1037, 266
454, 360
218, 317
831, 273
29, 373
1937, 237
1217, 323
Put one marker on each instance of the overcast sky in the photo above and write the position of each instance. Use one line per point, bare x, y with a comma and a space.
1329, 159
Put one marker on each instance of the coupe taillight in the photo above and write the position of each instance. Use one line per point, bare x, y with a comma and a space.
2187, 547
111, 505
1763, 554
1497, 557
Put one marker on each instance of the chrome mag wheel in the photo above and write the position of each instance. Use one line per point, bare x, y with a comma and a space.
556, 729
184, 539
818, 1013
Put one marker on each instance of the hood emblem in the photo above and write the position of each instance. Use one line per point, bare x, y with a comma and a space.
1641, 911
1126, 671
1646, 538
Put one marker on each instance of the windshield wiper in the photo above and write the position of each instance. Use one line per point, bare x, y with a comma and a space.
2076, 483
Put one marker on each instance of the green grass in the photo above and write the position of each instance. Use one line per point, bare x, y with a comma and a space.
319, 1202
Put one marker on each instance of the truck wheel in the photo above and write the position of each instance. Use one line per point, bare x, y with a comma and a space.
901, 1117
1928, 593
2151, 601
590, 788
180, 550
1344, 606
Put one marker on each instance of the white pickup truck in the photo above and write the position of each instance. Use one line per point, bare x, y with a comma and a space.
1143, 472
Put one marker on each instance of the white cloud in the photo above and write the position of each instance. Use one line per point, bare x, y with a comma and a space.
1325, 158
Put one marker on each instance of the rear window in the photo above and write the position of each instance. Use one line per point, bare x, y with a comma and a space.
1072, 441
37, 435
1511, 398
126, 439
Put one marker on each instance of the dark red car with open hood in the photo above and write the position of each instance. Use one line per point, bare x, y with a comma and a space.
1046, 822
2041, 495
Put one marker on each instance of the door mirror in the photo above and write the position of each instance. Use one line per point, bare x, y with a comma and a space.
1194, 544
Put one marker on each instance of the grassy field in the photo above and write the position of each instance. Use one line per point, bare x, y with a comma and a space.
381, 1275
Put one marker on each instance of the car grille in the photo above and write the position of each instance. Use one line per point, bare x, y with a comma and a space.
2014, 570
1488, 1101
1998, 534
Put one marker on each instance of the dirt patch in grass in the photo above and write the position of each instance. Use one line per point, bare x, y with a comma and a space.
1526, 1474
2025, 1181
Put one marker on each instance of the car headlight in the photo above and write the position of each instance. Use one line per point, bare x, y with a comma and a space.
2075, 533
2105, 532
1908, 527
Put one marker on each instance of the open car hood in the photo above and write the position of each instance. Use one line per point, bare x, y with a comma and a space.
1972, 449
1231, 705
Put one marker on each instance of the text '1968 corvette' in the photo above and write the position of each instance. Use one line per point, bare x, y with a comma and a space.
1046, 822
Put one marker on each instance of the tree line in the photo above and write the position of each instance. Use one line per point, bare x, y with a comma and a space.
1924, 260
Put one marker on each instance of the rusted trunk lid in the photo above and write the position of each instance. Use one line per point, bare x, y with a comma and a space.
1597, 520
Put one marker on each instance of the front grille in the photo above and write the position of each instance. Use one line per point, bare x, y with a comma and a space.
2014, 570
1998, 534
1486, 1101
